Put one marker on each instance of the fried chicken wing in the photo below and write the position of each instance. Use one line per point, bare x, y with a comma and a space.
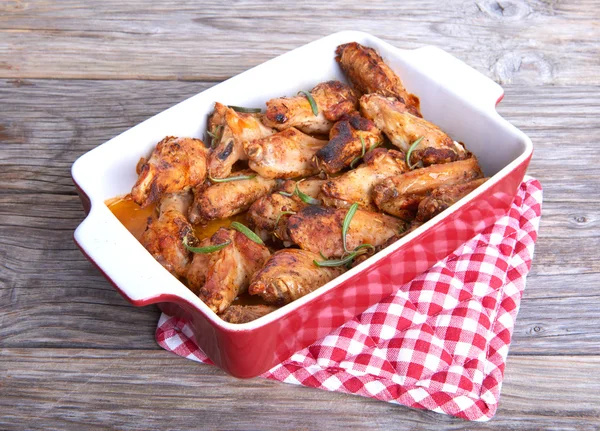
290, 274
224, 199
235, 129
269, 215
333, 100
404, 128
319, 229
246, 313
367, 71
176, 164
349, 139
397, 194
357, 185
229, 270
444, 196
287, 154
164, 236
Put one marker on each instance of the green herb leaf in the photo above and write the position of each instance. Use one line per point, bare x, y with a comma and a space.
409, 152
311, 100
207, 249
306, 198
215, 136
346, 224
245, 110
247, 231
236, 178
289, 195
364, 149
335, 262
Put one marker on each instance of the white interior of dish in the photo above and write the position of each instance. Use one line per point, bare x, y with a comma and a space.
454, 96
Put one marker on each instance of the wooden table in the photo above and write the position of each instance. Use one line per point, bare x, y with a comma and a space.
76, 355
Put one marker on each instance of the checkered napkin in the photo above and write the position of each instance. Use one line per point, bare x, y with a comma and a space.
439, 343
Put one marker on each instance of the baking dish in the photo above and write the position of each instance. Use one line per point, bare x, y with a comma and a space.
454, 96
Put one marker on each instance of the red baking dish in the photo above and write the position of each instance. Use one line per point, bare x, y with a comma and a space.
454, 96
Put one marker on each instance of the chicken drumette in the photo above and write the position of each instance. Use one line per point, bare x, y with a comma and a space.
369, 74
333, 99
176, 164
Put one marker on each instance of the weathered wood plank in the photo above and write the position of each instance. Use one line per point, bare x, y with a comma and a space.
72, 388
517, 41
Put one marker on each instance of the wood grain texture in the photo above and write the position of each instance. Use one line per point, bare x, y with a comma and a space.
512, 41
195, 396
73, 74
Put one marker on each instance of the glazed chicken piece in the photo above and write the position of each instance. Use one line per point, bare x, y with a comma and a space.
349, 139
443, 197
368, 73
176, 164
224, 199
319, 229
287, 154
398, 194
270, 213
234, 130
333, 99
246, 313
403, 129
227, 272
164, 236
290, 274
357, 185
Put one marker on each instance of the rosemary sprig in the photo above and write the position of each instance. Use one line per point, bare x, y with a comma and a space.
303, 196
364, 150
409, 153
245, 110
311, 100
282, 213
215, 135
234, 178
346, 224
247, 231
207, 249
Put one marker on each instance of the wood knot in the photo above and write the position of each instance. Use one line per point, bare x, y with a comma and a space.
508, 10
528, 67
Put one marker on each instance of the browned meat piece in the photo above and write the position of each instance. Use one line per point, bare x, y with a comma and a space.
246, 313
269, 214
236, 129
319, 229
397, 194
357, 184
349, 138
286, 154
403, 129
310, 186
224, 199
163, 237
290, 274
228, 270
176, 164
333, 100
369, 74
444, 196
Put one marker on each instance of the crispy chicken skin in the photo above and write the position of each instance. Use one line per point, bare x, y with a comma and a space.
403, 129
333, 100
269, 215
444, 196
287, 154
346, 140
235, 129
319, 229
225, 199
367, 71
397, 194
229, 270
357, 185
176, 164
246, 313
163, 237
290, 274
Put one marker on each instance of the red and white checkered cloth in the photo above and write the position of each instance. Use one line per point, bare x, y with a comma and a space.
439, 343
